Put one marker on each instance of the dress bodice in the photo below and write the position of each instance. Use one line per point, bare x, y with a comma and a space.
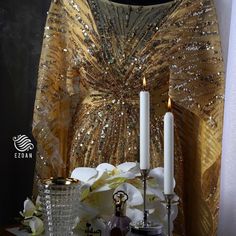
117, 49
114, 54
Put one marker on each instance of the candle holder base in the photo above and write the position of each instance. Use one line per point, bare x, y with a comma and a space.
145, 227
150, 229
169, 202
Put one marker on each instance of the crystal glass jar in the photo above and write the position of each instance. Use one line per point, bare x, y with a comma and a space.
59, 197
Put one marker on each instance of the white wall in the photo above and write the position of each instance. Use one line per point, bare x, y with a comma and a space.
227, 20
223, 8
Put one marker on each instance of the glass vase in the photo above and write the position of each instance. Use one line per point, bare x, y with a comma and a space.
59, 198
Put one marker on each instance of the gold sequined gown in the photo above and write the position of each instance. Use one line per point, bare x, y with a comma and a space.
95, 54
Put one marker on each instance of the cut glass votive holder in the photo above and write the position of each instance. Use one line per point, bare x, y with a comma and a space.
59, 198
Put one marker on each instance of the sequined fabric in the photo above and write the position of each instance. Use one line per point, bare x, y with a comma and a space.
95, 54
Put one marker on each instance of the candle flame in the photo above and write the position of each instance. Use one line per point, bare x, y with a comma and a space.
144, 82
169, 104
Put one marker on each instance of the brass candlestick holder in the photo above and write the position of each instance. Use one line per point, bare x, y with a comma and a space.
145, 227
169, 201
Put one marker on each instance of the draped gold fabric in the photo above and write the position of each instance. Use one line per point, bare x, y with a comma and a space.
95, 54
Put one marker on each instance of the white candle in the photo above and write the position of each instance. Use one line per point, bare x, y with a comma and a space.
144, 129
169, 152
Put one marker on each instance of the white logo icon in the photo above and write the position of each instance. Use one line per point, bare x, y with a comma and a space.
22, 143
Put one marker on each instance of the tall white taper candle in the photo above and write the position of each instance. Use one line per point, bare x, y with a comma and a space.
144, 129
169, 151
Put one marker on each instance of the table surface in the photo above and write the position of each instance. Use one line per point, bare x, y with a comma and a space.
13, 230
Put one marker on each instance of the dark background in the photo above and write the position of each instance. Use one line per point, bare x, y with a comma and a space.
21, 33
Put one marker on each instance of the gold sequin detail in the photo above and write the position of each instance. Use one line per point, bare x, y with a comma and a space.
95, 54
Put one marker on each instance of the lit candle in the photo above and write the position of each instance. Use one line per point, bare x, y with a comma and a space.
169, 151
144, 129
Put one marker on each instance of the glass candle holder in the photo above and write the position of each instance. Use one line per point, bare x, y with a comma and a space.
59, 198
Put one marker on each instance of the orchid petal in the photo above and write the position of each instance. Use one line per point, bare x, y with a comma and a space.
36, 226
29, 208
96, 201
160, 215
38, 202
158, 192
174, 211
125, 175
84, 191
116, 182
105, 167
100, 181
158, 175
84, 174
135, 197
128, 166
76, 222
103, 188
160, 210
134, 214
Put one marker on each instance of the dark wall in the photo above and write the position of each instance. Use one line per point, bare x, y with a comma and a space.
21, 33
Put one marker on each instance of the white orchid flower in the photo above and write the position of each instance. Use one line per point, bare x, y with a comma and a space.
29, 209
101, 202
105, 167
120, 178
38, 202
36, 225
132, 167
136, 215
105, 176
38, 205
158, 175
84, 174
95, 178
156, 182
127, 170
156, 208
99, 184
102, 185
135, 197
160, 215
